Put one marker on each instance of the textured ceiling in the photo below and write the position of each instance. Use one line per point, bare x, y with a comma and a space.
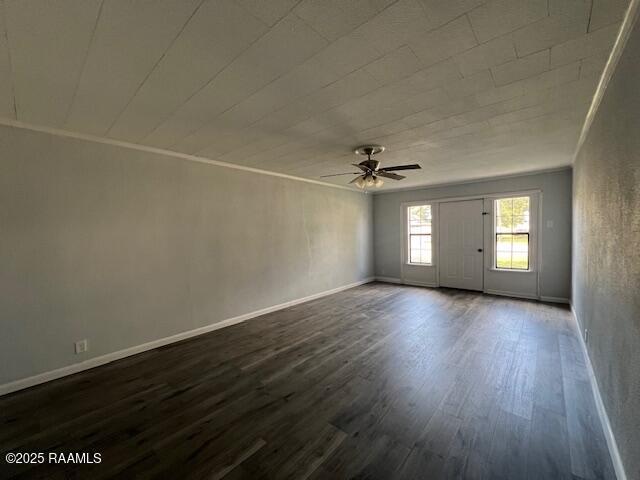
466, 88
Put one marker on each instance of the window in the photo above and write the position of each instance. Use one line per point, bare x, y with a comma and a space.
419, 222
512, 233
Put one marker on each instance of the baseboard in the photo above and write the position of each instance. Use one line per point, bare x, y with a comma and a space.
504, 293
544, 298
388, 279
602, 412
491, 292
405, 282
127, 352
419, 284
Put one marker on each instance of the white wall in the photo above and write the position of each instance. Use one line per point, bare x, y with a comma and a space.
121, 246
554, 244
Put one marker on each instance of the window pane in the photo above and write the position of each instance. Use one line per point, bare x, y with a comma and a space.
521, 223
503, 260
520, 261
420, 248
512, 226
521, 244
420, 228
504, 223
420, 214
420, 251
512, 251
504, 207
504, 242
521, 206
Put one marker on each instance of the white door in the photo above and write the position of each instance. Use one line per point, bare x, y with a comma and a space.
461, 245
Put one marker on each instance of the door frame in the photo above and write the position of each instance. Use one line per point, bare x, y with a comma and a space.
435, 212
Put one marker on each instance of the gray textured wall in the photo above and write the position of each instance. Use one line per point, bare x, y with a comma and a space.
606, 277
555, 278
123, 247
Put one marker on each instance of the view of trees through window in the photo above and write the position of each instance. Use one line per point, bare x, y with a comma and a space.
512, 233
420, 234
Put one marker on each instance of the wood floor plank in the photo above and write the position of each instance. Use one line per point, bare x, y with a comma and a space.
379, 381
422, 463
518, 394
548, 455
509, 447
585, 432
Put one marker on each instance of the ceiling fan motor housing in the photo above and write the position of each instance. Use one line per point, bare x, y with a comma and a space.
369, 150
371, 164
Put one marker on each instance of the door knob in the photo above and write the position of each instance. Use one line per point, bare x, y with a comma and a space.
480, 250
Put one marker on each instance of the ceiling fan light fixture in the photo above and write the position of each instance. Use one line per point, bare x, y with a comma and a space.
378, 182
360, 183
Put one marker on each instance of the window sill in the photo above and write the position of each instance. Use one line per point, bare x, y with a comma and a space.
419, 264
510, 270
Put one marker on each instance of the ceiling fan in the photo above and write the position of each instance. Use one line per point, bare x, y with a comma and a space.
370, 173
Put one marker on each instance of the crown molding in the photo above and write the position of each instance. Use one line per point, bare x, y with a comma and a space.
195, 158
161, 151
626, 28
475, 180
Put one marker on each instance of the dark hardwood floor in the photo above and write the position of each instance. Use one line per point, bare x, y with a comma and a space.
380, 381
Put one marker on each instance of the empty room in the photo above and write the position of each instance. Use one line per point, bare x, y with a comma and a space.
320, 239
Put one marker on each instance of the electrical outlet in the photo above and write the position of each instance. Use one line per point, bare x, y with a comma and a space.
82, 346
586, 336
549, 223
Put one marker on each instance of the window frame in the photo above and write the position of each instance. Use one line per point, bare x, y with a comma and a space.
407, 234
532, 233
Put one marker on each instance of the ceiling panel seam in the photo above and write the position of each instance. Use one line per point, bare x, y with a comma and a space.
84, 63
155, 66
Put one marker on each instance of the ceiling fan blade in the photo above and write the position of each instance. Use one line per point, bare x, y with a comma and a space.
394, 176
338, 174
361, 167
414, 166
